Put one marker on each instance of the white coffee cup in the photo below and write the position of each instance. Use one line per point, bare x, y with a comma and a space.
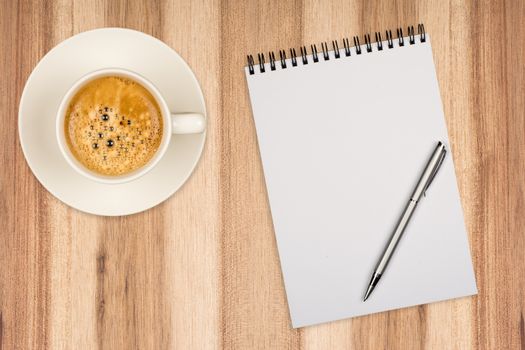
179, 123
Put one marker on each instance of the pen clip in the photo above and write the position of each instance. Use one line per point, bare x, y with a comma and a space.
434, 172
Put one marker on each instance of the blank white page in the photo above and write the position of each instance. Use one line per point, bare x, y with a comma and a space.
343, 143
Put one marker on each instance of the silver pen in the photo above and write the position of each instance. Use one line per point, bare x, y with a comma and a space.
424, 182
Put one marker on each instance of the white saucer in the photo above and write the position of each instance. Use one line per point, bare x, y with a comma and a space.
66, 63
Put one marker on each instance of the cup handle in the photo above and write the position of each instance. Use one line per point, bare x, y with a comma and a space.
188, 123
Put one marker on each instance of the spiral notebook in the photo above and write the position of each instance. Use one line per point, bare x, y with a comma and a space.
344, 134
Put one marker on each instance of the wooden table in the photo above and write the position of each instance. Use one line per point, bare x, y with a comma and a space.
201, 271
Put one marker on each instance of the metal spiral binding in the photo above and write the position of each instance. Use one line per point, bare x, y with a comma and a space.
260, 56
379, 41
411, 36
421, 31
389, 39
250, 64
272, 60
314, 53
368, 43
324, 47
335, 48
304, 53
346, 45
293, 55
357, 45
282, 55
400, 37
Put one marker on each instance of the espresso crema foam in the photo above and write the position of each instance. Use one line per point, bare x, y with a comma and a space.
113, 126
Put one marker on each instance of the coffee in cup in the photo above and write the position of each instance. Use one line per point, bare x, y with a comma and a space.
113, 125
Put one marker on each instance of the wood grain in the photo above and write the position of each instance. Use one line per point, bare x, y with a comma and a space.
201, 270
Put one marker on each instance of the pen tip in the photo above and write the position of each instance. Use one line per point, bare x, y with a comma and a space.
368, 291
373, 281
